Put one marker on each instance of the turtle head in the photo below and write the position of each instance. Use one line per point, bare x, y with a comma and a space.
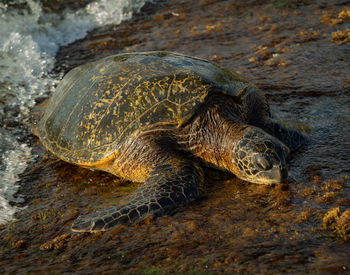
260, 158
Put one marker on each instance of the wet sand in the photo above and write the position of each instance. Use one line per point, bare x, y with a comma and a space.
297, 52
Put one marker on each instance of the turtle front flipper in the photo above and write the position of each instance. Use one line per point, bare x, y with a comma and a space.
168, 187
290, 137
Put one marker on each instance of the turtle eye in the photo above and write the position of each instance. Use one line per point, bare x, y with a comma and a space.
263, 163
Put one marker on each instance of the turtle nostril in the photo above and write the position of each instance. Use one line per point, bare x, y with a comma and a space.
263, 163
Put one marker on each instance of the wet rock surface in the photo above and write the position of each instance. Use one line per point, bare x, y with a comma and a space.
298, 53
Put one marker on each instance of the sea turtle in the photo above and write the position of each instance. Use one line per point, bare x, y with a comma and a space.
159, 118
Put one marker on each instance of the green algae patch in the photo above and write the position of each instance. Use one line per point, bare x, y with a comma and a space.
338, 223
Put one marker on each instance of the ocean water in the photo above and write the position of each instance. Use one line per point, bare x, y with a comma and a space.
29, 41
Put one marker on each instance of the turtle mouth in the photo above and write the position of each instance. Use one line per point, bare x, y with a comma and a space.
275, 175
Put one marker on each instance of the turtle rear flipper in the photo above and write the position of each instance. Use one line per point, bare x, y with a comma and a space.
168, 187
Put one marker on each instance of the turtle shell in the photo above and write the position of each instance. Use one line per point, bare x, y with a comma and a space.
99, 106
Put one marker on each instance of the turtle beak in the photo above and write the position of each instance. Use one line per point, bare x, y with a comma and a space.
280, 175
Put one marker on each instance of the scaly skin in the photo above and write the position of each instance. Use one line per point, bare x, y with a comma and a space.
167, 187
